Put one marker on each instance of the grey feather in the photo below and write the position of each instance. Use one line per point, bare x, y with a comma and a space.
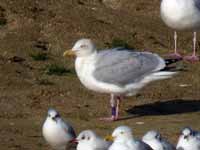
180, 148
138, 145
101, 145
71, 131
167, 145
121, 66
143, 146
66, 126
196, 134
197, 4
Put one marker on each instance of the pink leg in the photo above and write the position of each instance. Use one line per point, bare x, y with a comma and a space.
193, 57
117, 108
175, 55
114, 101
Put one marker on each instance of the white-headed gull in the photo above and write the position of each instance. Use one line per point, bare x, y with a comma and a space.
57, 132
123, 140
119, 71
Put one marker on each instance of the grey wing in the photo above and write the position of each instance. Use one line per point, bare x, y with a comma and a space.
71, 131
68, 128
139, 145
180, 148
147, 147
168, 146
102, 145
197, 4
197, 134
144, 146
122, 66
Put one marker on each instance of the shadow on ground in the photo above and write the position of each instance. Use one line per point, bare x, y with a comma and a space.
168, 107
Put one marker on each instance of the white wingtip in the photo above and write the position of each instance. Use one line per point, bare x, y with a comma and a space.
165, 73
159, 76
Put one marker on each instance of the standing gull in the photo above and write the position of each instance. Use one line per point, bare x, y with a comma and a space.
188, 140
156, 141
123, 140
89, 140
57, 132
182, 15
119, 72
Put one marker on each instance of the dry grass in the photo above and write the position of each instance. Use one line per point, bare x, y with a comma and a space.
27, 90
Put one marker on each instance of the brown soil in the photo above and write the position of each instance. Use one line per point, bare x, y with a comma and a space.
51, 26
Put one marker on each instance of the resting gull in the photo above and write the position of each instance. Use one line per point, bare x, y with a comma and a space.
119, 71
89, 140
182, 15
188, 140
156, 141
123, 140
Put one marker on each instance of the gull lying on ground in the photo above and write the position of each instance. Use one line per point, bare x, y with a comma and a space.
188, 140
156, 141
123, 140
88, 140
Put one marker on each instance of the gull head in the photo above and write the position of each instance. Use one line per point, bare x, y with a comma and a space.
120, 134
187, 132
53, 115
150, 135
86, 136
83, 47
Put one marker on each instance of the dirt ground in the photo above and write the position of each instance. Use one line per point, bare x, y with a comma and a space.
49, 27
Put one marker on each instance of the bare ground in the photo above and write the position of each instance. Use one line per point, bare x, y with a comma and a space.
51, 26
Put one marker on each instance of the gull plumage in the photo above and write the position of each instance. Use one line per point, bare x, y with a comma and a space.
57, 132
156, 141
182, 15
118, 71
123, 140
188, 140
89, 140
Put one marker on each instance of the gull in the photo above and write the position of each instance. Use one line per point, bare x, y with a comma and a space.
57, 132
188, 140
123, 140
182, 15
156, 141
118, 71
89, 140
197, 134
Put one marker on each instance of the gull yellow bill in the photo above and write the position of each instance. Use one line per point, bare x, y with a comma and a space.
68, 53
109, 138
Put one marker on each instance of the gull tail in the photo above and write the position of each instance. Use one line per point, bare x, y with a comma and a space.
152, 77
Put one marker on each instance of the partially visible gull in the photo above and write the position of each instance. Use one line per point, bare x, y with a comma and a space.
197, 134
89, 140
182, 15
156, 141
57, 133
123, 140
119, 71
188, 140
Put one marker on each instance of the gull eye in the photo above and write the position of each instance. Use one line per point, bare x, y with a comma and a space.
83, 46
83, 137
